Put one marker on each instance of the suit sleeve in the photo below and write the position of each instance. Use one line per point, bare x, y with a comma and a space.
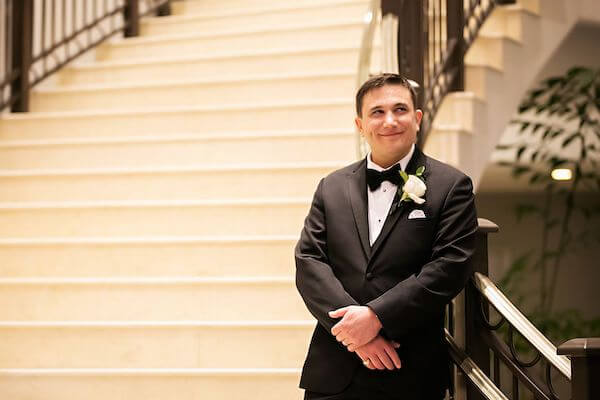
319, 287
423, 296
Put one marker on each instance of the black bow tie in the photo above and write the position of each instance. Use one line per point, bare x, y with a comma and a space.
374, 178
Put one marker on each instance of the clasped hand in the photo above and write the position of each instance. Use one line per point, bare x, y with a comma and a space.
358, 330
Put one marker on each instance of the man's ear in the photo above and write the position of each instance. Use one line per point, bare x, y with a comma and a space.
418, 117
358, 123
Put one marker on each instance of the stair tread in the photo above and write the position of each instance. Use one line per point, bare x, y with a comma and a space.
171, 169
185, 83
238, 32
256, 10
327, 47
497, 35
517, 8
173, 109
181, 137
145, 240
146, 371
237, 202
273, 324
149, 280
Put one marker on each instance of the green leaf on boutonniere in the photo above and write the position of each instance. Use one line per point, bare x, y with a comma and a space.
420, 170
404, 197
404, 176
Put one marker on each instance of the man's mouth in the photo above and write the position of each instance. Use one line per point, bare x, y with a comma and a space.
391, 134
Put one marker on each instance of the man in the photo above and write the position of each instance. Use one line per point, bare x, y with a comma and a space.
378, 259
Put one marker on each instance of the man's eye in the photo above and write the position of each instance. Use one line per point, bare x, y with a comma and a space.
401, 108
377, 112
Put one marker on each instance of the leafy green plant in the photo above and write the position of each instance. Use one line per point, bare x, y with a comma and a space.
559, 127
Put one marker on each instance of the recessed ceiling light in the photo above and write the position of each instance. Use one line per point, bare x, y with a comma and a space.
561, 174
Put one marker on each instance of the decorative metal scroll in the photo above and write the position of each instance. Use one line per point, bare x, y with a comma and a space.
504, 348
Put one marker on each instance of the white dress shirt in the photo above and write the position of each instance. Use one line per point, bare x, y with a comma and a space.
380, 199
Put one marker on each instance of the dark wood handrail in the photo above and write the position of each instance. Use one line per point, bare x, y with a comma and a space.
36, 50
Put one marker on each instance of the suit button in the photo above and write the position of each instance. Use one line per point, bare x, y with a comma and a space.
369, 276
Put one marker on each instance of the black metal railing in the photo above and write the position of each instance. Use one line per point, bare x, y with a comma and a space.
451, 26
41, 36
433, 37
494, 353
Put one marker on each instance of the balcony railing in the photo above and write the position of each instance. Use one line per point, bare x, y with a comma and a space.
41, 36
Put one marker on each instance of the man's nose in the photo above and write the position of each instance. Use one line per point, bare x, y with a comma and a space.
390, 119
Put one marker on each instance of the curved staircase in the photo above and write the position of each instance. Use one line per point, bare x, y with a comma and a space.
150, 202
151, 199
512, 47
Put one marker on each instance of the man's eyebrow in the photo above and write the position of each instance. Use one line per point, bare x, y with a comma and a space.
375, 107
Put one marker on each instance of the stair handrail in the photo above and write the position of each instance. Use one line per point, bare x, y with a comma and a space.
463, 21
470, 327
34, 50
507, 310
472, 371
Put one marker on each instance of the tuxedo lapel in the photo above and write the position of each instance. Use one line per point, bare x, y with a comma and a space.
398, 209
357, 192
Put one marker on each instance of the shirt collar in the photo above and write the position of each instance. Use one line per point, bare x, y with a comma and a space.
403, 162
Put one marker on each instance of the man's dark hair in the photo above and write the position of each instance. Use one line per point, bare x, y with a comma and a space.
382, 80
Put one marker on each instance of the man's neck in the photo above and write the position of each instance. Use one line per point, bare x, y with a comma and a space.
385, 163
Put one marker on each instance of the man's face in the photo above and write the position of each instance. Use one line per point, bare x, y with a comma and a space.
389, 123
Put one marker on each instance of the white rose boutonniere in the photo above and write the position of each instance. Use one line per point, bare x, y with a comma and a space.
414, 187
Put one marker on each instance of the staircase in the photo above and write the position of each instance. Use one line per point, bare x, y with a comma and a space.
151, 200
514, 44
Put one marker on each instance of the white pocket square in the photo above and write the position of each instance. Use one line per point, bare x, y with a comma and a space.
415, 214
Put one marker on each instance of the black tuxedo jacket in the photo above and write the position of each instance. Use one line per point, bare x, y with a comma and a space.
414, 268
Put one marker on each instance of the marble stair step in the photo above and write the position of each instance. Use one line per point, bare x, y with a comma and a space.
184, 256
184, 149
202, 40
154, 344
153, 218
189, 19
244, 180
150, 383
195, 92
233, 65
252, 117
130, 299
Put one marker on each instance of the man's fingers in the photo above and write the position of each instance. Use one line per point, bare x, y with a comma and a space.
336, 329
391, 352
368, 364
338, 313
339, 329
386, 361
376, 362
352, 347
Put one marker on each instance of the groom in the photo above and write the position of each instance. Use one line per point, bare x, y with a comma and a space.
379, 259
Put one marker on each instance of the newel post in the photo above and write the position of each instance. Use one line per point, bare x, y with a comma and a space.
585, 367
132, 18
475, 346
22, 39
